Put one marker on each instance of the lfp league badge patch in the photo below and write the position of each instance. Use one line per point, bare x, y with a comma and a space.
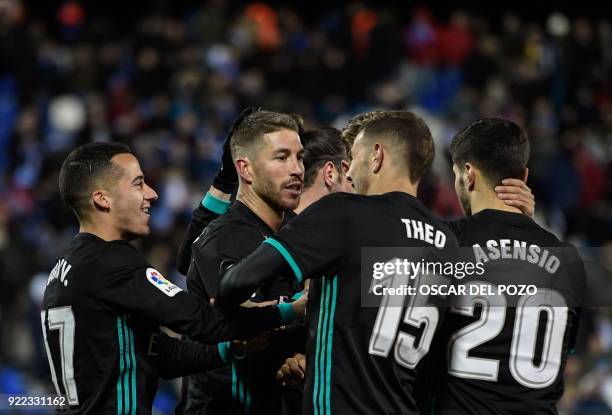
157, 279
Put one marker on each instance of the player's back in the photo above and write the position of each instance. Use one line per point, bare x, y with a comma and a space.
507, 350
95, 350
363, 353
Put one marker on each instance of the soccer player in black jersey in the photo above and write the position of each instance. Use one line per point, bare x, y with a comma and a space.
103, 302
325, 167
267, 154
506, 355
361, 360
325, 171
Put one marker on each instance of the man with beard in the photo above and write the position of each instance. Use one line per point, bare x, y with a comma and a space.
267, 153
325, 168
354, 363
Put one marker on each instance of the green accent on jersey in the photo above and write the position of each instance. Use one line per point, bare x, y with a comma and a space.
214, 204
329, 343
323, 352
283, 251
126, 380
286, 311
134, 401
223, 349
121, 367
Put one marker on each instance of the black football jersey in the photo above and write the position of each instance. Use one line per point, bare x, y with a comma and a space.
506, 351
200, 218
100, 315
360, 359
244, 386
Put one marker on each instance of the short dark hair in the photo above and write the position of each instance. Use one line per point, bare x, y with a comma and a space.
356, 124
410, 137
253, 127
320, 146
85, 167
498, 147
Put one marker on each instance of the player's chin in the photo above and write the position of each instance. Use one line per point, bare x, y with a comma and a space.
143, 230
290, 202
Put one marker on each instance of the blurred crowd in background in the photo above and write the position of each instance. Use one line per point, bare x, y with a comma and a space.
169, 84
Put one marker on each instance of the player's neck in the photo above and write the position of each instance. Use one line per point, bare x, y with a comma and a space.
102, 230
272, 217
311, 195
489, 200
395, 184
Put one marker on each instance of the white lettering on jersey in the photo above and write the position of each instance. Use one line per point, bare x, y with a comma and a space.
60, 270
157, 279
415, 229
513, 249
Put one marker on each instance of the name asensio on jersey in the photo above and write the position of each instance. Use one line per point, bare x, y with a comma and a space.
513, 249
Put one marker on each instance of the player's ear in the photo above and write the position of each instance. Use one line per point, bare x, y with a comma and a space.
469, 176
329, 173
345, 166
377, 158
526, 174
101, 199
244, 167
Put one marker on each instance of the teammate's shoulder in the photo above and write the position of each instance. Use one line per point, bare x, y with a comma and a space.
342, 199
336, 205
457, 225
227, 236
341, 196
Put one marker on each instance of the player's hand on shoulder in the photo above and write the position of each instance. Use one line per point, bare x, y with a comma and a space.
516, 193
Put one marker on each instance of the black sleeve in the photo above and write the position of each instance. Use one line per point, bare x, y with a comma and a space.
316, 240
175, 357
211, 257
312, 242
200, 219
242, 279
133, 286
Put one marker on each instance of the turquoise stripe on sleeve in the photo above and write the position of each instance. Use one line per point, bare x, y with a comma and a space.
297, 295
214, 204
329, 342
121, 368
287, 313
283, 251
134, 399
224, 350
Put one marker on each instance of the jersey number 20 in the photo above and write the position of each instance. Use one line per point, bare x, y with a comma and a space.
524, 337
